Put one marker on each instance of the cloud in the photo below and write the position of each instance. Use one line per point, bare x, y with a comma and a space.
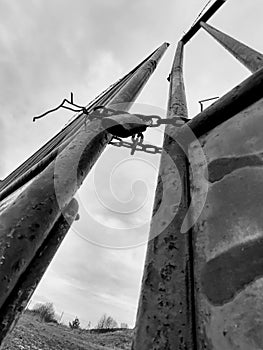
90, 281
44, 56
51, 44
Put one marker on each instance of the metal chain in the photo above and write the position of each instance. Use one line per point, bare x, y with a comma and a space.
175, 121
136, 145
153, 121
100, 112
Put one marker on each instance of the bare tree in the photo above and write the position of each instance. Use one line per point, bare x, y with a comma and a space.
106, 322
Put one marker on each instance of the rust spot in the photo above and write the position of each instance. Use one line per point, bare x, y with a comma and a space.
172, 246
219, 168
166, 272
21, 236
150, 275
171, 242
230, 272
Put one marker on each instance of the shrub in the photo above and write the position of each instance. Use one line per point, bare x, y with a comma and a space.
106, 322
45, 312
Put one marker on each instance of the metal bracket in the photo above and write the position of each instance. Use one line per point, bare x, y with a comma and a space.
205, 100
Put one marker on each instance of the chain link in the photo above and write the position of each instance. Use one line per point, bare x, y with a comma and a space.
152, 120
157, 121
136, 145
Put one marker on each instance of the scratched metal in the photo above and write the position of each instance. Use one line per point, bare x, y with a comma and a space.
228, 236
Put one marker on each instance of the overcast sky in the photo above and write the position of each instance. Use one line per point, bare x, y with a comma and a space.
52, 47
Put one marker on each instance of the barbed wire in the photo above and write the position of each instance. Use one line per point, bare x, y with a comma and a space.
77, 108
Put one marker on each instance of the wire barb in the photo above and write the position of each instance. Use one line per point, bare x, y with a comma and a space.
201, 102
62, 105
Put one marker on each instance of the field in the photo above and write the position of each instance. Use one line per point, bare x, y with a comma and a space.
31, 334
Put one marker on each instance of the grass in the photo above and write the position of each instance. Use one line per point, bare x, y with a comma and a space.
31, 334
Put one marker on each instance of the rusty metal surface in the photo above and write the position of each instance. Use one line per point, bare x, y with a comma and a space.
228, 235
250, 58
164, 319
29, 280
27, 221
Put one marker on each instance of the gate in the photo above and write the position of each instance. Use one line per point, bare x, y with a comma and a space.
202, 284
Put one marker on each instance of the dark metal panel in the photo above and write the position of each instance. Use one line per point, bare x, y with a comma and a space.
228, 235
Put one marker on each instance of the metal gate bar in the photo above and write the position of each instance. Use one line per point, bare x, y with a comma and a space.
250, 58
165, 318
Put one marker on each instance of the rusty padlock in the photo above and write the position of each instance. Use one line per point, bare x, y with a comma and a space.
124, 125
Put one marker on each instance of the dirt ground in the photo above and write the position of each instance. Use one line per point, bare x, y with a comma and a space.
31, 334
